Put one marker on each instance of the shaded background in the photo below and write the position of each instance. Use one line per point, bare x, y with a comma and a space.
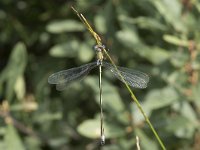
159, 37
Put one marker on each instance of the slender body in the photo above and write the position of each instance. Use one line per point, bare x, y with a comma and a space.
99, 63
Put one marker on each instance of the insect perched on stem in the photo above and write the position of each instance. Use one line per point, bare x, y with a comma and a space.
132, 77
119, 72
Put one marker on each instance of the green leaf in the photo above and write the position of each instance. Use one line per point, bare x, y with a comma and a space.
197, 4
46, 117
186, 110
128, 37
144, 22
20, 88
91, 129
12, 139
64, 26
14, 69
68, 49
171, 11
175, 40
85, 53
181, 126
154, 54
100, 23
56, 142
105, 20
158, 98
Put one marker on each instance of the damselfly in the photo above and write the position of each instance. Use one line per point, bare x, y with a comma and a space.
132, 77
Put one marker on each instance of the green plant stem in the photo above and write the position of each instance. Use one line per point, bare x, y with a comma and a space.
98, 41
137, 103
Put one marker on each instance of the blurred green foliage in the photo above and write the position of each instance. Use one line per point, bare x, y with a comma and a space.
159, 37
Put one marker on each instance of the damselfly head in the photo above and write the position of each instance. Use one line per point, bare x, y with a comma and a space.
99, 48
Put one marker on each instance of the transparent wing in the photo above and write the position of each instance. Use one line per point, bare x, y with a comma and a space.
133, 78
63, 78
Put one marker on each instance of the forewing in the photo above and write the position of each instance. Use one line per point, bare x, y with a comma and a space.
132, 77
63, 78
